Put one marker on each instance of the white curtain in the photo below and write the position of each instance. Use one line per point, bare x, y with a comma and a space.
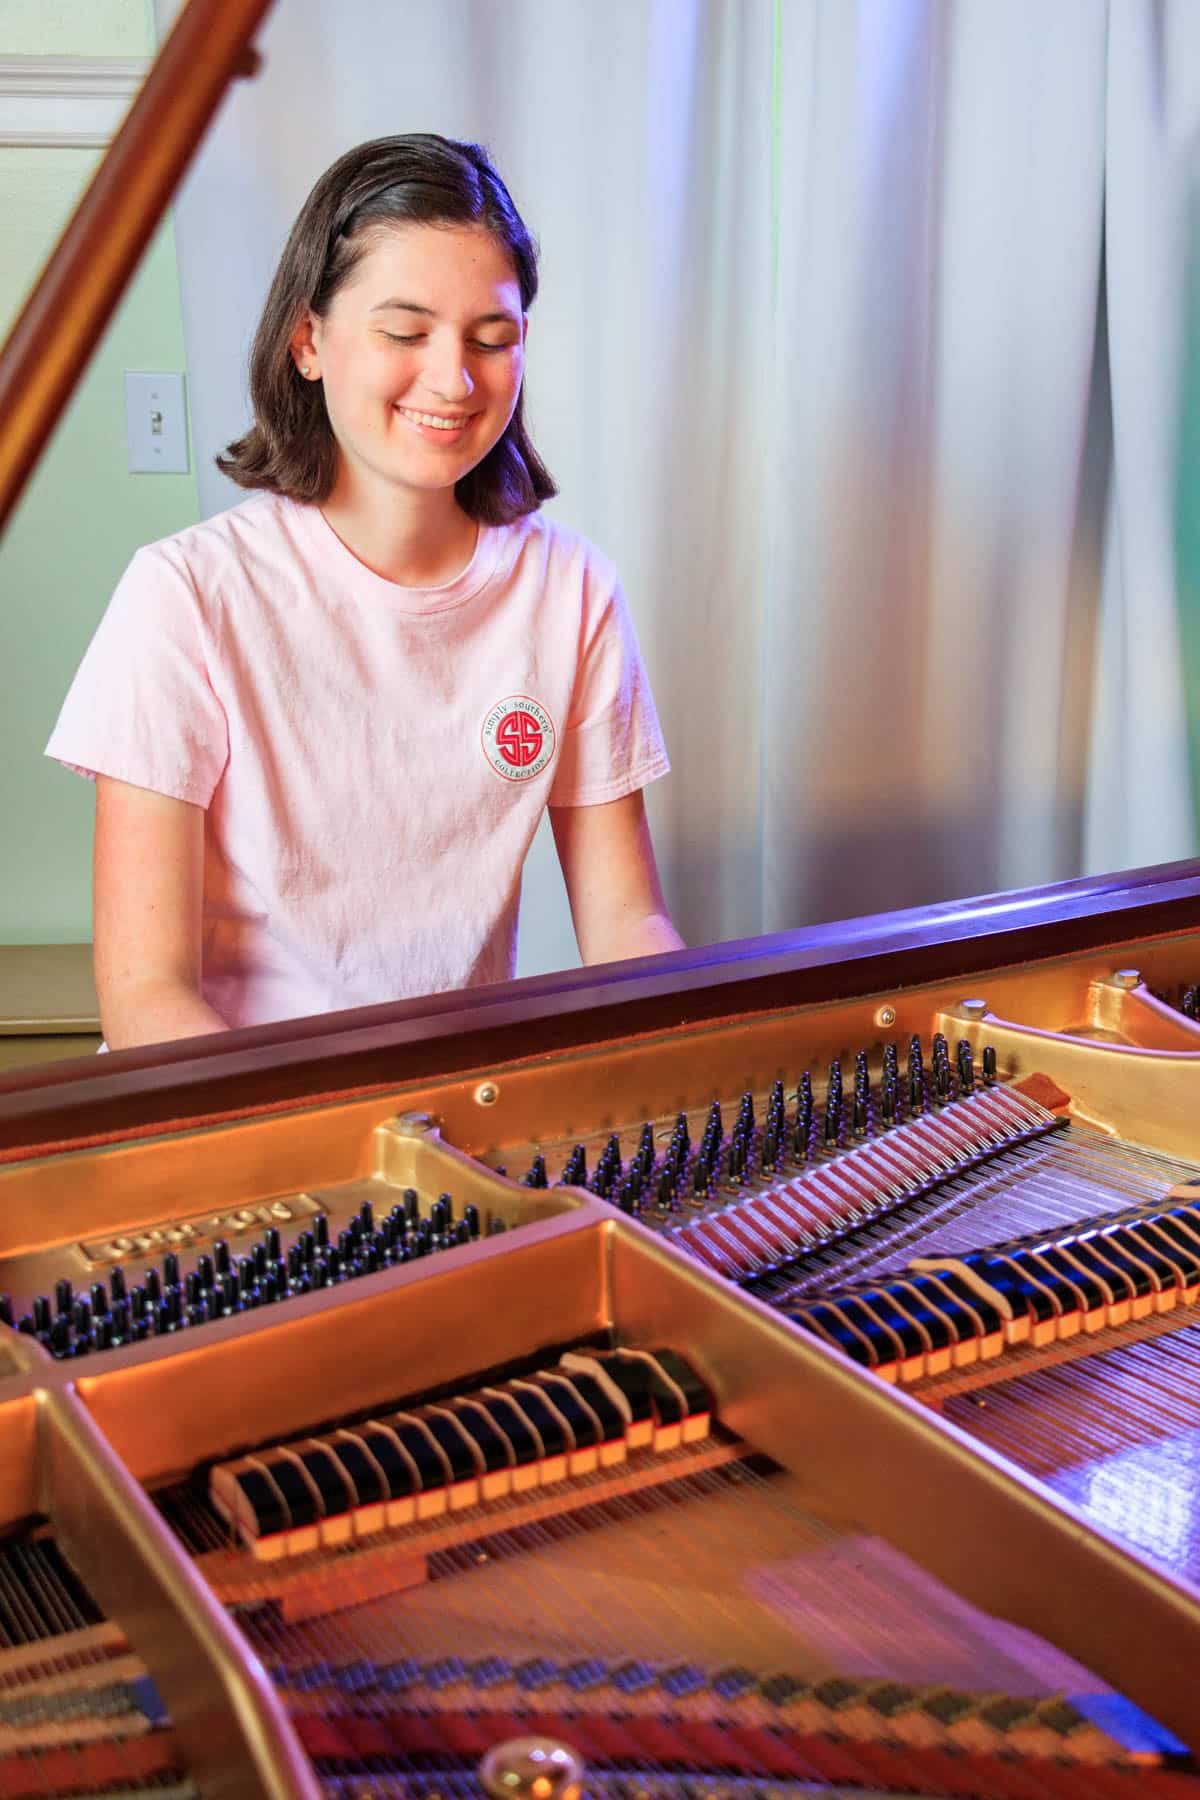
834, 296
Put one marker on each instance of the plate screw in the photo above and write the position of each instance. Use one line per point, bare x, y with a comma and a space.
1126, 978
487, 1093
972, 1009
885, 1016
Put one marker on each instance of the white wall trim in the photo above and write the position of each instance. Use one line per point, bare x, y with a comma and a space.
76, 102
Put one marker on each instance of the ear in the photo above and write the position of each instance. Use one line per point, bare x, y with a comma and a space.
303, 346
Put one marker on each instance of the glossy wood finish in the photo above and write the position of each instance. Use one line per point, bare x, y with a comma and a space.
484, 1028
64, 318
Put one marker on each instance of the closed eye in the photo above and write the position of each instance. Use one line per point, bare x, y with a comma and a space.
394, 337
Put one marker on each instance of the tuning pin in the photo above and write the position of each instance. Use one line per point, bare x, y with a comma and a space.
941, 1080
412, 1205
966, 1068
273, 1244
41, 1314
60, 1336
197, 1313
122, 1321
320, 1231
64, 1295
221, 1257
989, 1065
366, 1218
470, 1219
192, 1288
26, 1326
140, 1298
153, 1284
6, 1311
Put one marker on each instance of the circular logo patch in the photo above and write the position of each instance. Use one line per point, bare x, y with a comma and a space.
518, 737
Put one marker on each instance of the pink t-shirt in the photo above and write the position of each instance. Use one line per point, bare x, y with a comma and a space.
374, 759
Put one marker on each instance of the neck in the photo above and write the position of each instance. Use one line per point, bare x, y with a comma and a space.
413, 539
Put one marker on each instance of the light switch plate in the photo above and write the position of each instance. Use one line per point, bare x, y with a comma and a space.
156, 424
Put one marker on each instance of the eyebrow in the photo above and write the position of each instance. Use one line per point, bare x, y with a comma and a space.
427, 312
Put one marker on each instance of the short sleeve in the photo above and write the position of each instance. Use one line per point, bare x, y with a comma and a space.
612, 744
142, 707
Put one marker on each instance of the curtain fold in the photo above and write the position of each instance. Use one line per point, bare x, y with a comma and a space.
860, 348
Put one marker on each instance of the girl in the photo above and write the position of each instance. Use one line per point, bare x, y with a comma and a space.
324, 725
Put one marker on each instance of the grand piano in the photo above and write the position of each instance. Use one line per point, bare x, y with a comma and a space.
766, 1369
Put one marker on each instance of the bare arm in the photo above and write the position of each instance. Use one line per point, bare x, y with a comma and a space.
607, 859
148, 882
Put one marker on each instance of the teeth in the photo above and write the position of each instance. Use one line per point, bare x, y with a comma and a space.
429, 419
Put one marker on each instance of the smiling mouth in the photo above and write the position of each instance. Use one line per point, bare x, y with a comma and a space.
438, 421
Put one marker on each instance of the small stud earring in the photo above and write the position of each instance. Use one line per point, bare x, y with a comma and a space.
304, 368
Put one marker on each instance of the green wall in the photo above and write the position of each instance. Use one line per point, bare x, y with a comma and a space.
83, 514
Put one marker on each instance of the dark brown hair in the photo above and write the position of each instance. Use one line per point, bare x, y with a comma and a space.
417, 179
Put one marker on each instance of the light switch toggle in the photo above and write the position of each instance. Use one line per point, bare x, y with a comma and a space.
156, 424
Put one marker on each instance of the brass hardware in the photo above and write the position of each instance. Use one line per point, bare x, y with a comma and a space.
531, 1768
885, 1017
487, 1093
1126, 978
972, 1009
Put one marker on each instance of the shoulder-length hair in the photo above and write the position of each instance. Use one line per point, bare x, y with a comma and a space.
416, 179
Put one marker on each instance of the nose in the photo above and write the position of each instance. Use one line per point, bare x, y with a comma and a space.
447, 375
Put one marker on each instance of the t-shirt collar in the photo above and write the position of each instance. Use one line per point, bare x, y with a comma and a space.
353, 575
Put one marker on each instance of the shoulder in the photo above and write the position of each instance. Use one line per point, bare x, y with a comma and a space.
564, 553
258, 528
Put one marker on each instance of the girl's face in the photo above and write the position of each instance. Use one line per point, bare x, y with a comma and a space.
421, 354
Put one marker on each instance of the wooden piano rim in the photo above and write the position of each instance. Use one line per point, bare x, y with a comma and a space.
69, 1103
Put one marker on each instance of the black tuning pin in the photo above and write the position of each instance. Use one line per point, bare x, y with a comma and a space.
153, 1286
6, 1311
966, 1068
171, 1269
116, 1283
320, 1231
470, 1219
575, 1169
222, 1261
64, 1294
41, 1314
366, 1218
989, 1065
273, 1244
